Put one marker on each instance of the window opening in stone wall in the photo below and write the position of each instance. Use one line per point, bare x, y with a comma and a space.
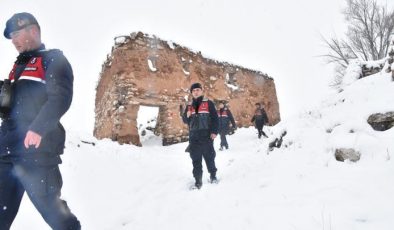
146, 122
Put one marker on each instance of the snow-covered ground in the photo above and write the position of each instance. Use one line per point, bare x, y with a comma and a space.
300, 186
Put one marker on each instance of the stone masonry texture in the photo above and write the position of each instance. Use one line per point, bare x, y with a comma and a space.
143, 70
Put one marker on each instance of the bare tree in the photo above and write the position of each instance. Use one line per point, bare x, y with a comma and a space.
367, 37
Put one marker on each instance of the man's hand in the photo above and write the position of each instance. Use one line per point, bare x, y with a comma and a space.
32, 138
213, 136
188, 114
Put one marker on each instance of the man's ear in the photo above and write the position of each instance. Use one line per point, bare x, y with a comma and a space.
35, 31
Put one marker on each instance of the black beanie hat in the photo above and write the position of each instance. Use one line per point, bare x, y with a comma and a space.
19, 21
195, 86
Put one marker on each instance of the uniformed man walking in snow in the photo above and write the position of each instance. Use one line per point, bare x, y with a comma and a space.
31, 136
259, 118
225, 118
202, 119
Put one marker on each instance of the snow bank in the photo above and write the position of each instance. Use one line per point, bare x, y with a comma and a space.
341, 120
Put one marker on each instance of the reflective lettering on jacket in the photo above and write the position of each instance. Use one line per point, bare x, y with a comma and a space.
224, 120
33, 71
223, 114
199, 120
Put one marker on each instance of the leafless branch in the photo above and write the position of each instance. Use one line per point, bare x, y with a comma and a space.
367, 37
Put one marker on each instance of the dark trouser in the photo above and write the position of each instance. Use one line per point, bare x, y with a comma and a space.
42, 184
223, 140
260, 130
197, 152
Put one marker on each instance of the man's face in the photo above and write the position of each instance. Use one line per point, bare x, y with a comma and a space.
221, 105
197, 92
23, 39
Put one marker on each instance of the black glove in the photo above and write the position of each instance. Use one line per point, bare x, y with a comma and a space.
187, 150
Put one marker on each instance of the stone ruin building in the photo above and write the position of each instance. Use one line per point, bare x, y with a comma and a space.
143, 70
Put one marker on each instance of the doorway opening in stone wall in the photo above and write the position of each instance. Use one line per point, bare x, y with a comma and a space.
146, 123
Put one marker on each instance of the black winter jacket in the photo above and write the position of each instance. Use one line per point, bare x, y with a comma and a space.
203, 121
260, 117
225, 118
41, 95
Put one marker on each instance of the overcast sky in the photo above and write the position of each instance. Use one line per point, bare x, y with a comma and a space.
280, 38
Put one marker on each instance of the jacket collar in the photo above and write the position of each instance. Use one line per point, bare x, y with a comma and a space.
24, 57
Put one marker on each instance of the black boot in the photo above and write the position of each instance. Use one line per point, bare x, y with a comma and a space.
198, 183
213, 179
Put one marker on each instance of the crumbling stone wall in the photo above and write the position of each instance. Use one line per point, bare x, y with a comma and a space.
145, 70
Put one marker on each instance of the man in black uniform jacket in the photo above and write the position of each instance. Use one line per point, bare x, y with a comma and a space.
202, 119
225, 118
259, 118
31, 136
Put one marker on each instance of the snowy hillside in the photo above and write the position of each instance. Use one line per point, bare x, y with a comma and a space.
299, 186
341, 121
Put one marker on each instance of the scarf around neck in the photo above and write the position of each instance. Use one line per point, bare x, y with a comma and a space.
197, 102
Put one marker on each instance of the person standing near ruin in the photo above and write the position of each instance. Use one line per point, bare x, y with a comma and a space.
225, 118
259, 118
201, 117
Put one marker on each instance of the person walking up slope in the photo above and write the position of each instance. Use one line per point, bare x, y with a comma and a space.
259, 118
225, 118
201, 117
